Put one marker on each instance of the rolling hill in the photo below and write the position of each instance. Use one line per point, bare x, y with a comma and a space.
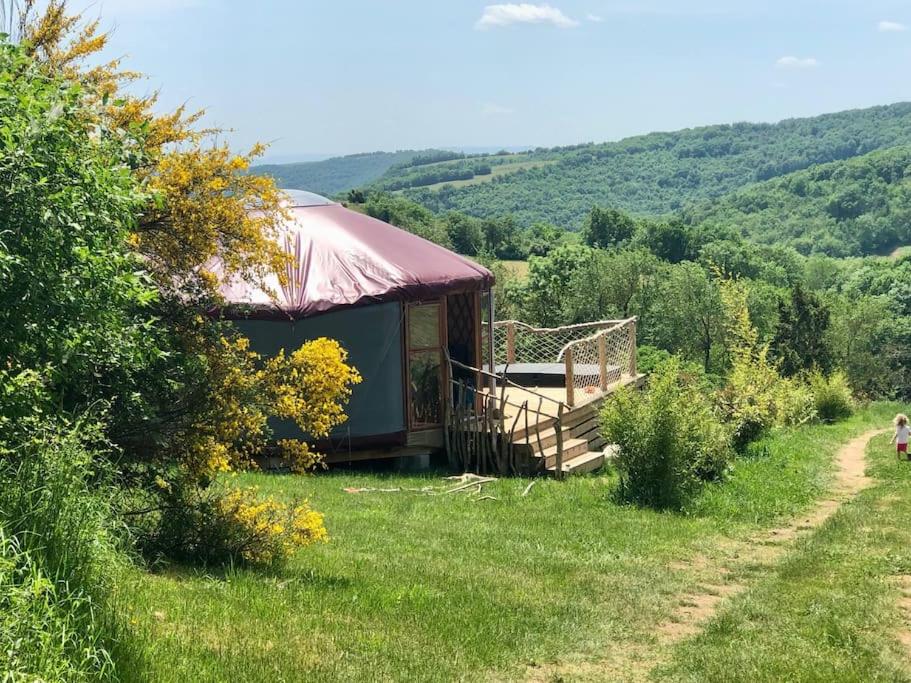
844, 208
337, 174
660, 173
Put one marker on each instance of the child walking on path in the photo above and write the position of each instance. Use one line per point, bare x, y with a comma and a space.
902, 432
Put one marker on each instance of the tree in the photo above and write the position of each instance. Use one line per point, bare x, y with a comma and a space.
541, 238
562, 288
668, 240
799, 343
465, 233
407, 215
503, 238
630, 281
866, 344
604, 228
689, 308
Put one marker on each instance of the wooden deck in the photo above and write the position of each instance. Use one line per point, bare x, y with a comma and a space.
542, 412
535, 435
516, 396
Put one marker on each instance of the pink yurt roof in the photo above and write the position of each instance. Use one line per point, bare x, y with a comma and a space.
341, 258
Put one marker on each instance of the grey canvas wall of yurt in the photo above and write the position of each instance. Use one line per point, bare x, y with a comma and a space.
397, 303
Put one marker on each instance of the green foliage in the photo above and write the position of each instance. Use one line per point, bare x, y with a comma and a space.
671, 240
648, 358
871, 344
660, 173
69, 288
464, 233
755, 397
849, 207
406, 215
605, 228
561, 288
832, 395
688, 314
418, 175
57, 556
800, 339
669, 439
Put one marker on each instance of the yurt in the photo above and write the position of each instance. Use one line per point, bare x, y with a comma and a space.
397, 302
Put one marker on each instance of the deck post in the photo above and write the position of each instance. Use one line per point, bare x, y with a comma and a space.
602, 361
570, 380
633, 366
558, 427
491, 356
510, 342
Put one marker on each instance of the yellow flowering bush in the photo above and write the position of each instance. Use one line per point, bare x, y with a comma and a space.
205, 397
264, 531
206, 520
311, 385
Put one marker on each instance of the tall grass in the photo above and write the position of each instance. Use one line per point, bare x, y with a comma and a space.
57, 559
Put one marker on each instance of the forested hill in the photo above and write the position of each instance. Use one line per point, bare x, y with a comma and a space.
844, 208
335, 175
660, 172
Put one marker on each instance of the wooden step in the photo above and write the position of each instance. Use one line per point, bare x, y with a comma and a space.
572, 417
571, 449
588, 461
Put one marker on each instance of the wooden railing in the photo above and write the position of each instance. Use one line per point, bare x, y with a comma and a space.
479, 437
596, 362
594, 355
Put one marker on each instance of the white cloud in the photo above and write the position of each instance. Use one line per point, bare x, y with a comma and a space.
494, 109
791, 62
890, 27
594, 18
495, 16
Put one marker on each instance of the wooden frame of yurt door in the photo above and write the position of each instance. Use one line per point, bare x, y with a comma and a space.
425, 365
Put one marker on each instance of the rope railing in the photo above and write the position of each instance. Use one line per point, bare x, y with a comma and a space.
518, 342
601, 360
594, 355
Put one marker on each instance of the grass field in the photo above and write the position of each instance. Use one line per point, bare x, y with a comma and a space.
495, 171
449, 587
832, 611
518, 269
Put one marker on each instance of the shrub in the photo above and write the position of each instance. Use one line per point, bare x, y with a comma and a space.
832, 396
670, 441
755, 397
219, 525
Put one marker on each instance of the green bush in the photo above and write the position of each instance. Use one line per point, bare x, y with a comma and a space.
832, 396
670, 441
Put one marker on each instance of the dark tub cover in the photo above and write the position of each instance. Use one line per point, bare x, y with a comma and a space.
341, 258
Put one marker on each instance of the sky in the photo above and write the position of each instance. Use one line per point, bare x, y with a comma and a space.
328, 77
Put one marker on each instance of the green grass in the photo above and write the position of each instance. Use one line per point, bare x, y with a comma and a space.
518, 269
417, 587
830, 610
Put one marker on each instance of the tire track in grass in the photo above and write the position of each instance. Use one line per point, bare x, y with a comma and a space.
728, 576
768, 546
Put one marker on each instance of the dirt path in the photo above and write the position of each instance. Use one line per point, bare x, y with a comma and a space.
726, 575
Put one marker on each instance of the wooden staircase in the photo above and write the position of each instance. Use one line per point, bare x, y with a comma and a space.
583, 447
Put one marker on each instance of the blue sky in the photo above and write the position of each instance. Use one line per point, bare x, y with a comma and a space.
344, 76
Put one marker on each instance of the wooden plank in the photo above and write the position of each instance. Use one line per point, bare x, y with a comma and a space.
570, 380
